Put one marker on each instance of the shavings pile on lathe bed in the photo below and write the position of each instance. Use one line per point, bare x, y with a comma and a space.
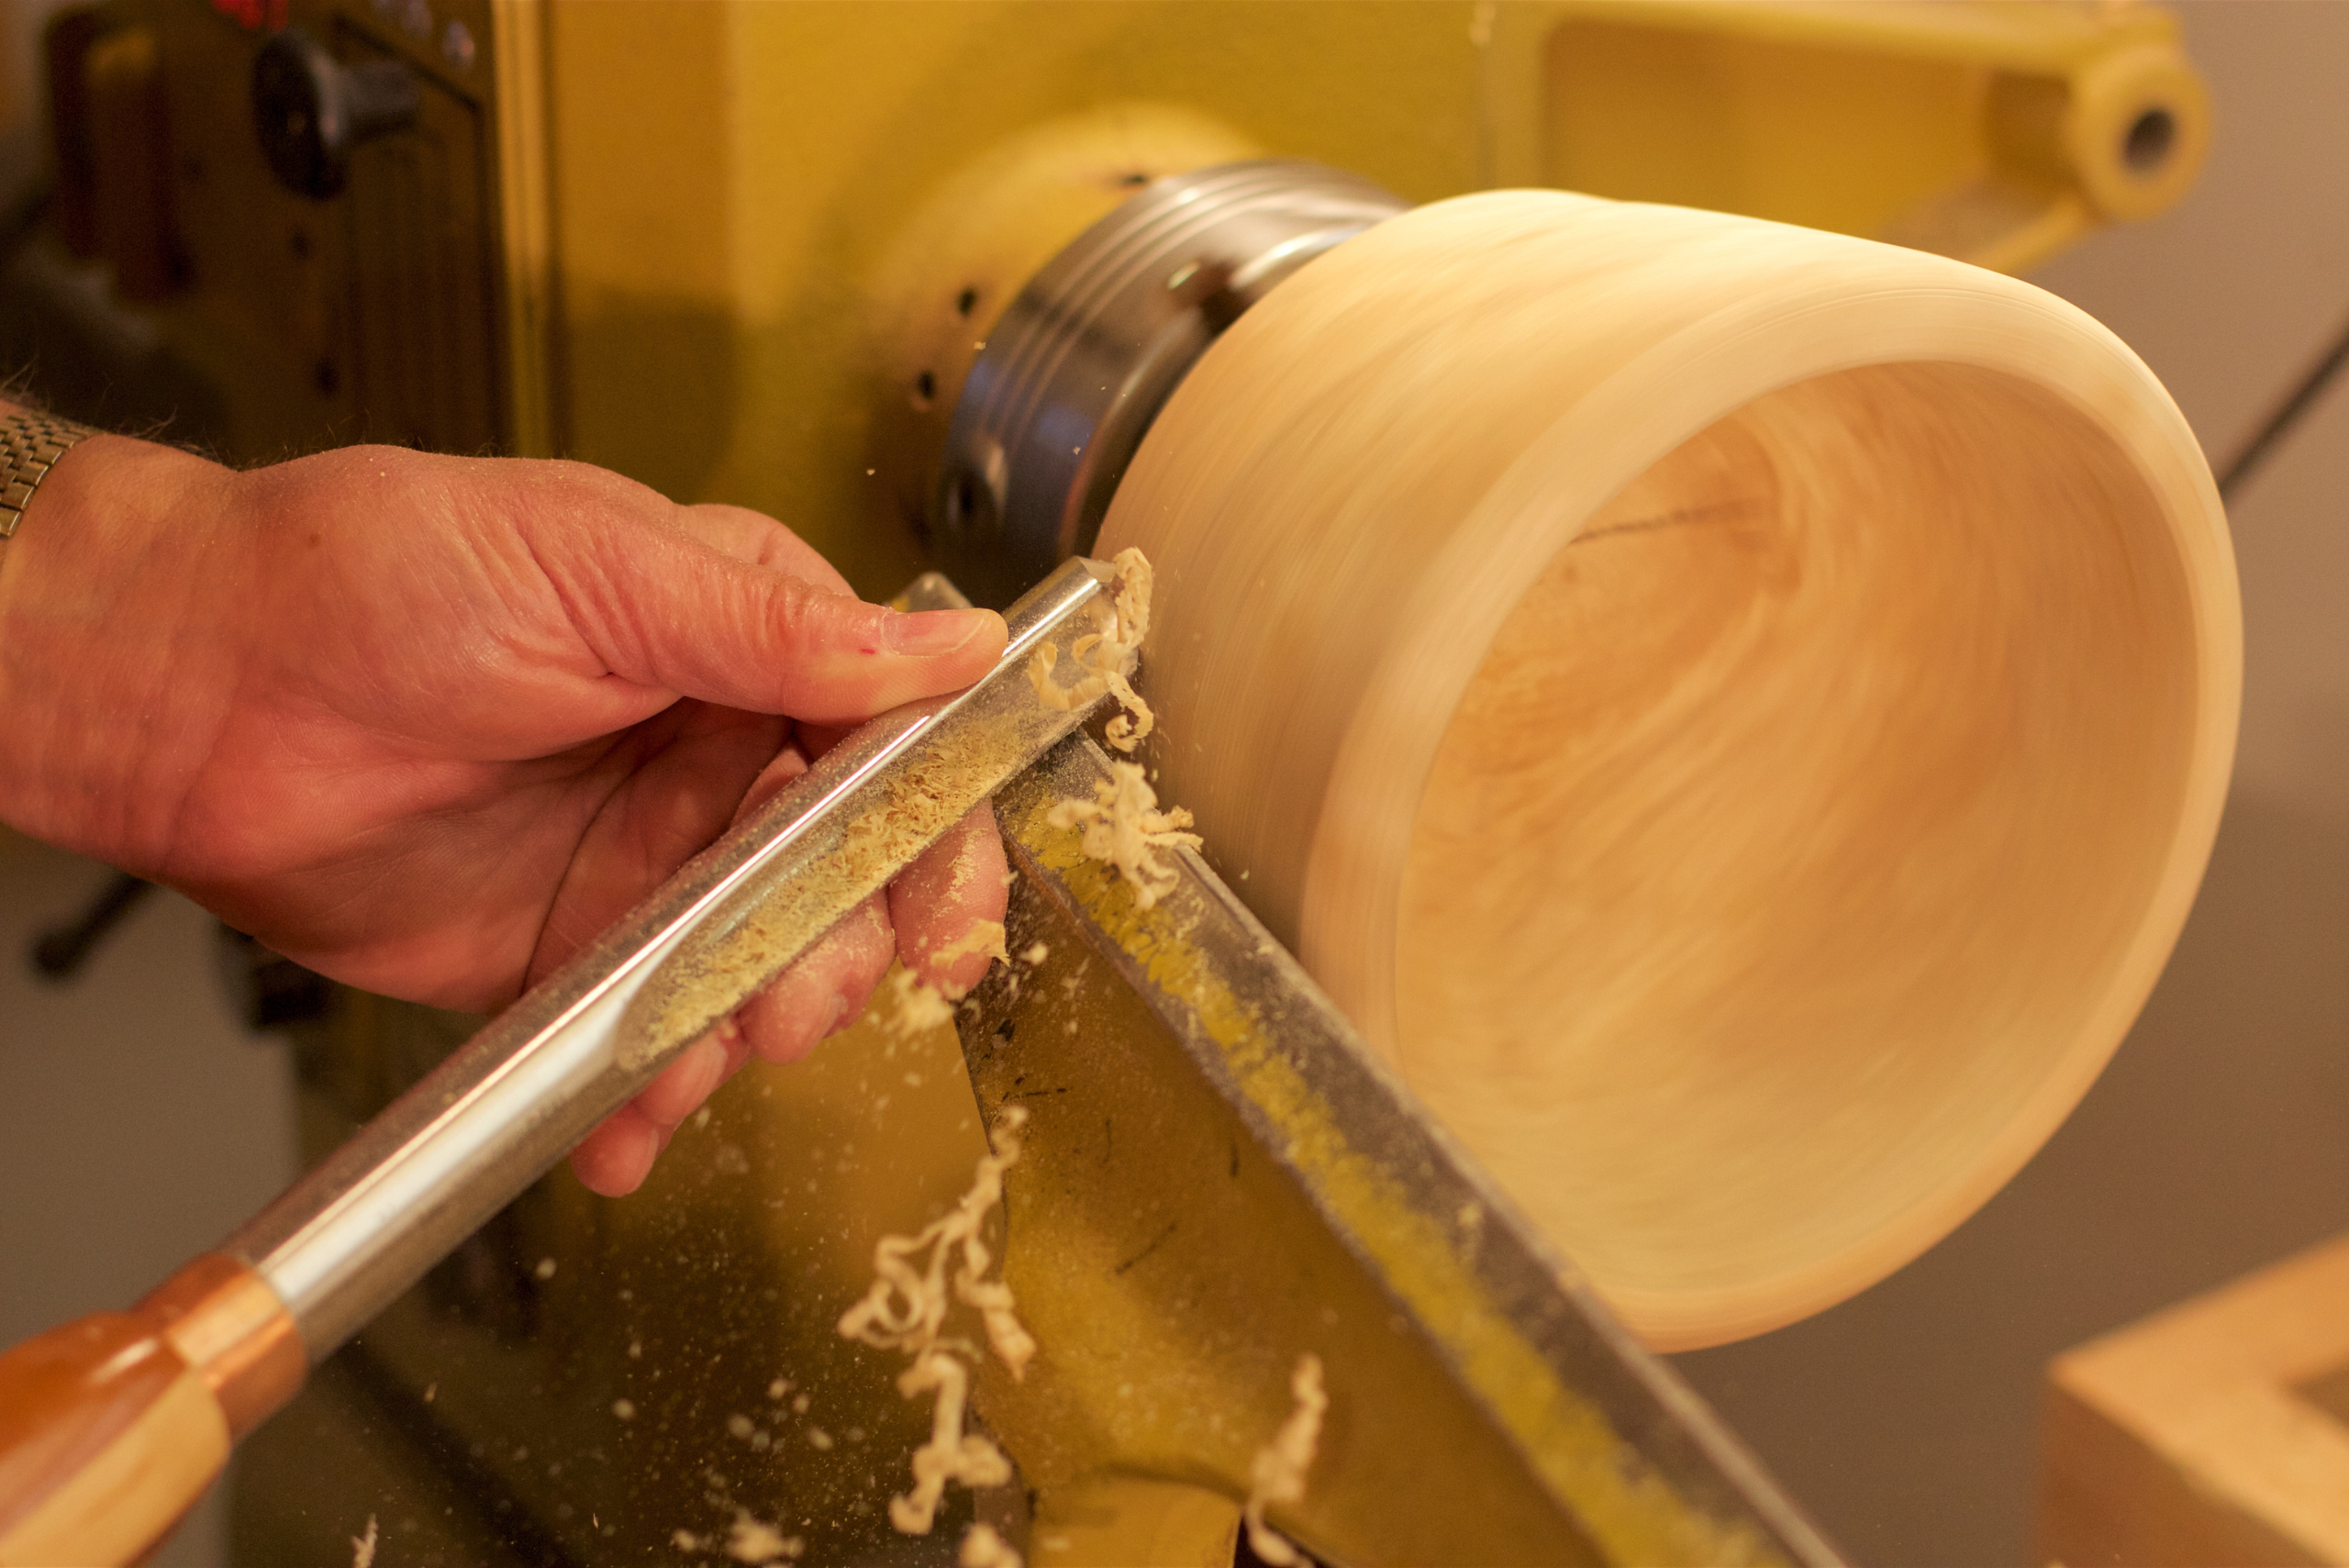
905, 1310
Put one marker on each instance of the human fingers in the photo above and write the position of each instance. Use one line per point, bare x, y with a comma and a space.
825, 990
663, 608
935, 903
756, 538
677, 783
675, 802
615, 1159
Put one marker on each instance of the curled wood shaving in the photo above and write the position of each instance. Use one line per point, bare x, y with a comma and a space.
362, 1546
982, 1548
1278, 1473
1106, 658
952, 1453
1124, 826
905, 1310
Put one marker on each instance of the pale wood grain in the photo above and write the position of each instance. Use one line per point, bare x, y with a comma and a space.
1736, 714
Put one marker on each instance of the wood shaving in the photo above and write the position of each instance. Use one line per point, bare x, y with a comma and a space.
362, 1546
984, 937
1124, 826
905, 1310
915, 1004
952, 1453
1278, 1473
752, 1540
1107, 657
982, 1548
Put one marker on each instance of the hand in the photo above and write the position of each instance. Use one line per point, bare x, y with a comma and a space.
428, 723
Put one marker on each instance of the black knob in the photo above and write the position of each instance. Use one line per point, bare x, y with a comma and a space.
311, 109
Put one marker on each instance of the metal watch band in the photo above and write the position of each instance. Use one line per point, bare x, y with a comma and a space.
31, 445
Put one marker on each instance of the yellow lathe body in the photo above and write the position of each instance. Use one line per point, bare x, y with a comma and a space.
673, 239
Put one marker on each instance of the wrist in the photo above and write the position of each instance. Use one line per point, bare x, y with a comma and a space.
101, 585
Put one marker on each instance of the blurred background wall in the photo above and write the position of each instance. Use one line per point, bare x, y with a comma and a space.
138, 1122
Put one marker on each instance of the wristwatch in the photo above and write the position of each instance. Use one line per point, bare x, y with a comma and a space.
31, 445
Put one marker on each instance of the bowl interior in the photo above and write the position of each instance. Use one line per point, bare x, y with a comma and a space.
1773, 881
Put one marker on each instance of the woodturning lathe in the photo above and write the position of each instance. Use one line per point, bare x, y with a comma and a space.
1328, 577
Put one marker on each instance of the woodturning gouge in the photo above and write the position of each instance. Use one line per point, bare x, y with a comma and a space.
111, 1426
1267, 1183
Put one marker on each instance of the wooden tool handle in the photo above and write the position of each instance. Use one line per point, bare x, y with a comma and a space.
111, 1427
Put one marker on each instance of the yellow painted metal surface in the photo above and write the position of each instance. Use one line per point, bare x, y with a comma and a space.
729, 183
1174, 1274
728, 180
723, 245
588, 1377
1997, 131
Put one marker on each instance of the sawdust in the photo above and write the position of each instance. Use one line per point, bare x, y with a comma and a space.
1124, 826
1107, 657
985, 937
905, 1310
1278, 1473
746, 944
362, 1546
982, 1548
914, 1005
753, 1541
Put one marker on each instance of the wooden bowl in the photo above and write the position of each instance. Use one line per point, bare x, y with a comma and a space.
1737, 715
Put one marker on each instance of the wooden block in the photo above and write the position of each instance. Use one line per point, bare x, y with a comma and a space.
2214, 1432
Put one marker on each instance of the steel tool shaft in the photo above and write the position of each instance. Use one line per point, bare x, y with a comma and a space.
363, 1226
112, 1426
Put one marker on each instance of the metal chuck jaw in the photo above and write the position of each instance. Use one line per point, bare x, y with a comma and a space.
1079, 363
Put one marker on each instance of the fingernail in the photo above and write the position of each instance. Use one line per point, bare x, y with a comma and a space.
933, 631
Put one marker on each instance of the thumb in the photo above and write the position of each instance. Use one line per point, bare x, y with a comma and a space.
662, 608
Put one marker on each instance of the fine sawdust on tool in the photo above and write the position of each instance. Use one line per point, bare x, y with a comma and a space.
905, 1310
982, 1548
740, 950
1124, 826
1108, 658
1278, 1473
